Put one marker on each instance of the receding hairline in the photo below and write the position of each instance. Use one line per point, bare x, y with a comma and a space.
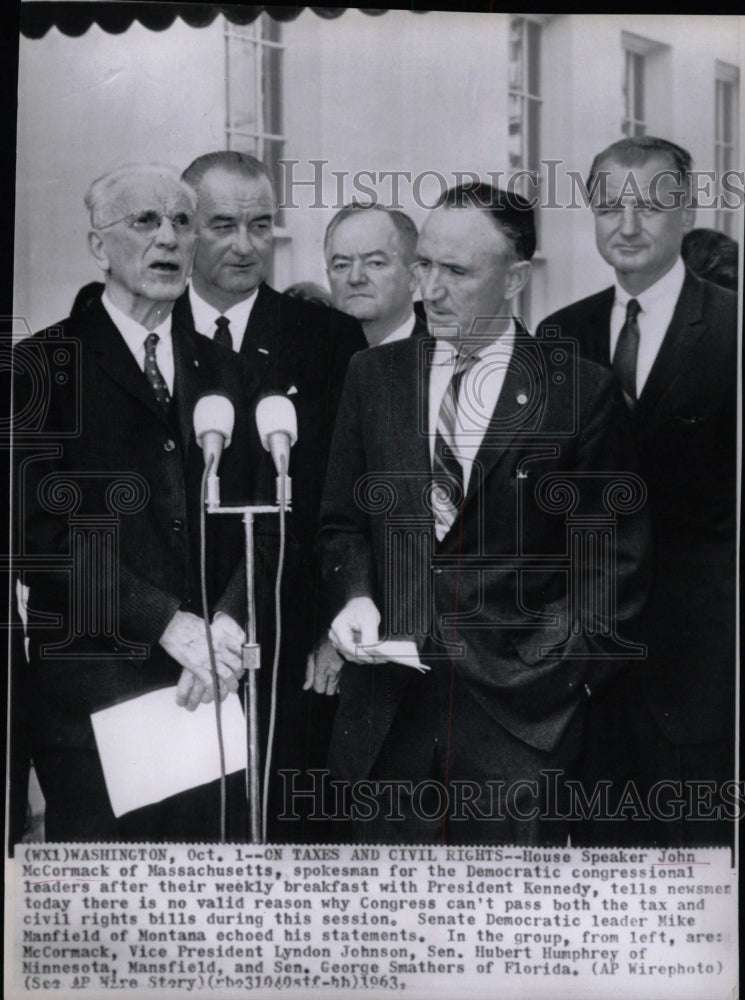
403, 226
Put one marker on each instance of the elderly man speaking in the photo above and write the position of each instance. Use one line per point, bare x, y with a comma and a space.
120, 443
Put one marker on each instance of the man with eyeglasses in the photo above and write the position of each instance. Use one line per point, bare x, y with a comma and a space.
120, 456
670, 339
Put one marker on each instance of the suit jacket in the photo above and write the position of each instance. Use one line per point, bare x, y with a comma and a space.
502, 566
97, 455
301, 349
684, 430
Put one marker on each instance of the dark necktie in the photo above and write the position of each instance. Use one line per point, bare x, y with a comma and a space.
627, 349
153, 373
446, 465
223, 336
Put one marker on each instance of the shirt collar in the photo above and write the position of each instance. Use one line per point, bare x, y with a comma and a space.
666, 289
443, 352
135, 333
401, 332
204, 314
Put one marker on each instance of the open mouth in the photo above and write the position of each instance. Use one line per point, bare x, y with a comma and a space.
167, 266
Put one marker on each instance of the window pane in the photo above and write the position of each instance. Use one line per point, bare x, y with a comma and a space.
727, 92
638, 68
515, 69
515, 131
534, 58
242, 83
534, 135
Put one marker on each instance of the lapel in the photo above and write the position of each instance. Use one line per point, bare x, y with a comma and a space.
112, 355
193, 376
263, 325
685, 330
519, 399
595, 329
408, 414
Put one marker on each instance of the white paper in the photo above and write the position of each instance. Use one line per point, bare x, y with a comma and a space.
397, 651
151, 748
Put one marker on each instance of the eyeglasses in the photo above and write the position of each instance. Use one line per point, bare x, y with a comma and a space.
150, 221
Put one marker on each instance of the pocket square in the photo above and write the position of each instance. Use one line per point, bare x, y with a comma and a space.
292, 391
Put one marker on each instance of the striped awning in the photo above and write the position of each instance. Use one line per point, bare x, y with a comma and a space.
74, 18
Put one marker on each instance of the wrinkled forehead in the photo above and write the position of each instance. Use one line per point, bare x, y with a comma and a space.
145, 192
365, 233
226, 193
655, 179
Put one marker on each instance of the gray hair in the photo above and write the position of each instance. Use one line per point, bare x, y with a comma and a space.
404, 226
101, 197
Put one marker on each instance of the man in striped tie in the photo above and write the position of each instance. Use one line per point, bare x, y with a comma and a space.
108, 509
460, 464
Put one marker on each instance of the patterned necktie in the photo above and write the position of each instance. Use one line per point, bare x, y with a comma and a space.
448, 487
223, 336
153, 373
627, 348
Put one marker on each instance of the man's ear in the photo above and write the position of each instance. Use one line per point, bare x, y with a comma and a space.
689, 218
97, 248
517, 278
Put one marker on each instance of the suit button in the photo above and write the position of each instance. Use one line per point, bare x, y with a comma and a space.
177, 525
169, 445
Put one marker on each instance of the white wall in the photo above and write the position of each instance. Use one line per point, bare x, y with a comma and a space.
401, 91
86, 105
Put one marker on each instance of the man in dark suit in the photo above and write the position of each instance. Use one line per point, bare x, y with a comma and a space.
671, 340
456, 460
370, 251
300, 349
108, 485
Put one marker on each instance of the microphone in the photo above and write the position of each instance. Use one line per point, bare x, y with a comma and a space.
276, 422
214, 417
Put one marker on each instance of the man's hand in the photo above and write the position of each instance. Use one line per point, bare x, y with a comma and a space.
355, 626
186, 641
323, 668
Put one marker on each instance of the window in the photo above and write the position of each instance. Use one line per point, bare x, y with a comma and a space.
633, 122
253, 63
726, 100
524, 121
525, 97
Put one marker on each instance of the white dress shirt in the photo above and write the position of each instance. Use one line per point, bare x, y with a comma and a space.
657, 307
482, 382
401, 332
135, 335
205, 316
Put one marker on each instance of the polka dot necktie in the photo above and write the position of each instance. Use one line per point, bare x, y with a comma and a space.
223, 336
153, 373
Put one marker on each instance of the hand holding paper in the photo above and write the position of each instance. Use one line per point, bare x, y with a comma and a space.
354, 633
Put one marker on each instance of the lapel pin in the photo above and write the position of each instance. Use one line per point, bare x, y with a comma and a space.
262, 350
196, 363
522, 398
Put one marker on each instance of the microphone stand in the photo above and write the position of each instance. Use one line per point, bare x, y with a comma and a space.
250, 650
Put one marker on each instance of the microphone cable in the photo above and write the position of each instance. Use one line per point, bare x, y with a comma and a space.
210, 646
277, 644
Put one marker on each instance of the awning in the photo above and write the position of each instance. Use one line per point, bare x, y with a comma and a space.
74, 18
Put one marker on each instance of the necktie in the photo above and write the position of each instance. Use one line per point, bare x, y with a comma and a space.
223, 336
448, 493
153, 373
627, 348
